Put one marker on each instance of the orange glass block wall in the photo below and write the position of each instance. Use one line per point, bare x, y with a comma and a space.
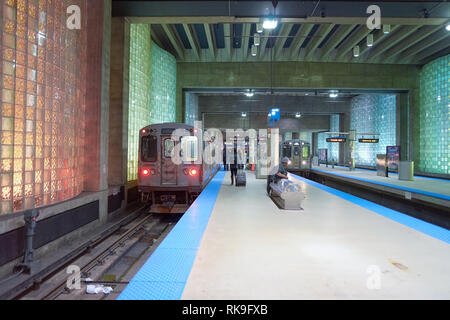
42, 99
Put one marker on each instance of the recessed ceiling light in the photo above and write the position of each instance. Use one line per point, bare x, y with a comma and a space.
298, 115
447, 27
244, 114
249, 93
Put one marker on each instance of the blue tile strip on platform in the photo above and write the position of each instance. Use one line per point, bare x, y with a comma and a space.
427, 193
419, 225
164, 275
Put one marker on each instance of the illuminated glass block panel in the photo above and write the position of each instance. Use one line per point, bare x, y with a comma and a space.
191, 113
163, 76
139, 92
333, 147
435, 117
35, 74
373, 114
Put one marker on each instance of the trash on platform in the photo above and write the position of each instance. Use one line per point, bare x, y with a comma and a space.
98, 288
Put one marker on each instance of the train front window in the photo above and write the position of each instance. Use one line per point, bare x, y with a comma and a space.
287, 151
189, 148
169, 145
149, 148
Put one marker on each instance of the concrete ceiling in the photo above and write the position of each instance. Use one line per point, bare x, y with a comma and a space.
321, 31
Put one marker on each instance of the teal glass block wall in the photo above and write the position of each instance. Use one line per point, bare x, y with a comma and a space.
163, 77
139, 93
435, 117
191, 112
373, 114
333, 147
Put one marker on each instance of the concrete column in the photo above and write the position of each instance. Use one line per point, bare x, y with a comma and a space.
119, 98
97, 100
403, 125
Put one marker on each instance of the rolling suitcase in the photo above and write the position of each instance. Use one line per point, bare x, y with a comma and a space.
240, 178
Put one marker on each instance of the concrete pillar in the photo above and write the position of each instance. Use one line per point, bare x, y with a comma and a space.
119, 98
97, 100
403, 121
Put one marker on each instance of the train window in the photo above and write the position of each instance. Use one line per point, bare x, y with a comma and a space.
305, 154
169, 145
287, 151
149, 148
296, 151
189, 148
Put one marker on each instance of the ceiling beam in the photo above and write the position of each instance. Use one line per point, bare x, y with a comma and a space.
406, 43
351, 41
308, 20
262, 45
429, 41
245, 40
173, 40
390, 41
282, 37
305, 29
155, 38
228, 41
322, 32
337, 37
422, 56
192, 40
209, 37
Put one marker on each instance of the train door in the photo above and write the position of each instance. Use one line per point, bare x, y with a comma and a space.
168, 167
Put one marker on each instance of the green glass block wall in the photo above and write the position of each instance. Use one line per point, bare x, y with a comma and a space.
139, 95
163, 76
373, 114
333, 147
191, 113
435, 117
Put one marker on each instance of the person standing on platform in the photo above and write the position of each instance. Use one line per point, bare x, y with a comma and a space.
234, 165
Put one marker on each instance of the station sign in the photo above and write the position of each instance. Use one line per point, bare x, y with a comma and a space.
336, 139
368, 140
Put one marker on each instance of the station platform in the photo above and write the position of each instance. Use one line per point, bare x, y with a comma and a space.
432, 190
235, 243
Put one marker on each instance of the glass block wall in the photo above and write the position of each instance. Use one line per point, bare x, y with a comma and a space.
191, 114
42, 104
333, 147
435, 116
373, 114
163, 76
139, 93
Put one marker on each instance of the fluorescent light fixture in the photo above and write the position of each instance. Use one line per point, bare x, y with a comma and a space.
259, 28
447, 27
370, 40
356, 51
270, 23
386, 28
298, 115
257, 39
254, 50
243, 114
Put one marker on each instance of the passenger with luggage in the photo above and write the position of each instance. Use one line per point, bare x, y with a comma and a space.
282, 173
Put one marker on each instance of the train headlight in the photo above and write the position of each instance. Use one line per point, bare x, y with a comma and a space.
193, 172
145, 172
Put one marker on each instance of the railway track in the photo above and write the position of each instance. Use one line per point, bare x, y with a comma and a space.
94, 258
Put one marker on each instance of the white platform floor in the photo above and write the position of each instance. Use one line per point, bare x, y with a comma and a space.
331, 250
430, 185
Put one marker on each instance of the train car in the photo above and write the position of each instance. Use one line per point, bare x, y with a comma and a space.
299, 154
171, 187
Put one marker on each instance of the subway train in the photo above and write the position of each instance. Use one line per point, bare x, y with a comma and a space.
170, 185
299, 154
